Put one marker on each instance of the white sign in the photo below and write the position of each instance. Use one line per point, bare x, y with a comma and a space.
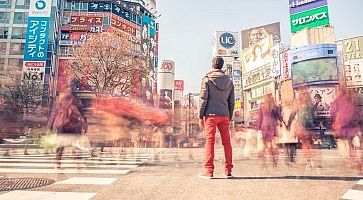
40, 8
354, 73
226, 43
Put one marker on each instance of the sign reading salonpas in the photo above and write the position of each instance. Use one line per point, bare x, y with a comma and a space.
36, 42
225, 44
309, 19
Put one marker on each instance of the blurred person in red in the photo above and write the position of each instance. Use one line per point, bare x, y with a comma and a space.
216, 111
346, 121
268, 119
303, 113
68, 122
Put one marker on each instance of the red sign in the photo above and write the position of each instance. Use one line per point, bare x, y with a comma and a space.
179, 85
86, 20
34, 64
122, 25
167, 66
285, 65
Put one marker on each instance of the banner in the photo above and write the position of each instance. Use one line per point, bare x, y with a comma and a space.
354, 73
298, 6
252, 36
36, 42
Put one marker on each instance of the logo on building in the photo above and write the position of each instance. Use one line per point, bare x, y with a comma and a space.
40, 4
227, 40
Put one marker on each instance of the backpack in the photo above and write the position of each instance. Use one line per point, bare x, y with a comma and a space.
69, 120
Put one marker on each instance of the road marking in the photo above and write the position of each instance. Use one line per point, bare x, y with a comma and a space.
75, 156
353, 195
39, 195
66, 165
87, 181
71, 161
62, 171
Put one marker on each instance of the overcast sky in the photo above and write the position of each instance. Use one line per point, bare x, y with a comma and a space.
187, 28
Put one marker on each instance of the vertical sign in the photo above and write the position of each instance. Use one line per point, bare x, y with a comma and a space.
36, 43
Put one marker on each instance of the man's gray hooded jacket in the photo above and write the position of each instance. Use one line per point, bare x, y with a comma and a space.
216, 95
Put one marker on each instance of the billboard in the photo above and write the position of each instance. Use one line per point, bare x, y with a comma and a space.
226, 44
166, 99
179, 85
354, 73
36, 42
86, 20
261, 54
285, 65
352, 49
322, 98
123, 25
297, 6
309, 19
252, 36
166, 75
315, 71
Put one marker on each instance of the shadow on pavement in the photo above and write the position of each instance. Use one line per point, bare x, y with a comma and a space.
325, 178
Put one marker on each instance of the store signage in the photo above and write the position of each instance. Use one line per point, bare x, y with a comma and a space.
313, 52
178, 85
352, 49
227, 40
297, 6
123, 25
309, 19
86, 20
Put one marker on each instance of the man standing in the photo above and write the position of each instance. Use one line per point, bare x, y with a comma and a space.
216, 110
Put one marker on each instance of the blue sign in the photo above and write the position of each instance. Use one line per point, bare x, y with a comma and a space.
36, 44
40, 4
313, 52
227, 40
237, 73
99, 7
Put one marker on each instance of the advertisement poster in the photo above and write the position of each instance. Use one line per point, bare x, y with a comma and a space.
316, 70
322, 98
352, 49
252, 36
179, 85
354, 73
166, 99
148, 40
261, 54
309, 19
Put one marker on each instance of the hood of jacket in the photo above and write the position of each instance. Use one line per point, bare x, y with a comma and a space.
219, 79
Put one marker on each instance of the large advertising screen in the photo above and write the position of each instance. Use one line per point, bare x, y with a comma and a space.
322, 98
297, 6
309, 19
315, 71
252, 36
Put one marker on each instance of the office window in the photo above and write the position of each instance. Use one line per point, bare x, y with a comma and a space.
16, 63
67, 5
2, 48
19, 17
4, 32
4, 17
66, 20
22, 3
83, 6
17, 48
5, 3
18, 33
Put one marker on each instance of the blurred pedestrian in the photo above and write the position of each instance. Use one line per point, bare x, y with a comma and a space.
346, 121
69, 123
269, 117
287, 135
303, 113
216, 111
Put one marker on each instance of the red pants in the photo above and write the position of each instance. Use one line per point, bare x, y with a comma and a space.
210, 125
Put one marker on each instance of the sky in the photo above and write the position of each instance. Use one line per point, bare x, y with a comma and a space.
187, 28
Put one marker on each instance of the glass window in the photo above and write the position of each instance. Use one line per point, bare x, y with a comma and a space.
67, 5
16, 49
18, 18
2, 48
5, 3
84, 6
4, 33
4, 17
16, 62
20, 4
17, 33
66, 20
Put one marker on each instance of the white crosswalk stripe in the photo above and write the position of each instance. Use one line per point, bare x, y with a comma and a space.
81, 163
356, 193
44, 195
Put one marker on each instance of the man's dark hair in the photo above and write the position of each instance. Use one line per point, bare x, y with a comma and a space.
217, 63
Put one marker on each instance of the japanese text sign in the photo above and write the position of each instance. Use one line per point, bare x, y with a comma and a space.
309, 19
120, 24
86, 20
36, 39
297, 6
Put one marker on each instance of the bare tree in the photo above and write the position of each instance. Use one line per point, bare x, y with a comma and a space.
107, 62
20, 98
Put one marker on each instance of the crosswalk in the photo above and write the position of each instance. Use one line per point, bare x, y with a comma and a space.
356, 193
80, 163
110, 163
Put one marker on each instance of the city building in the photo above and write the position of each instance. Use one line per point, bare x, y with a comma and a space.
132, 19
21, 55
